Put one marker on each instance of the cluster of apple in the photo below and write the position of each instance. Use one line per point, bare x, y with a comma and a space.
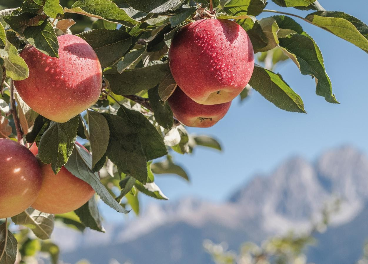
211, 60
59, 89
25, 182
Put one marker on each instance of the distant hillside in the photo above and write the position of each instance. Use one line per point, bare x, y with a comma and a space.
286, 199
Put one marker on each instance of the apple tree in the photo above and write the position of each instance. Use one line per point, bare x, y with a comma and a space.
130, 132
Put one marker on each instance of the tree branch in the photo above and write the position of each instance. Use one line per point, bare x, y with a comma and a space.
319, 7
140, 100
289, 14
13, 110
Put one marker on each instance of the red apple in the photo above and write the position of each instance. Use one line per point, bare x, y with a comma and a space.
20, 178
61, 88
193, 114
60, 193
212, 60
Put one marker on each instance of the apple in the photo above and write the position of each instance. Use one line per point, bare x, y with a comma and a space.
193, 114
61, 88
60, 193
20, 178
211, 60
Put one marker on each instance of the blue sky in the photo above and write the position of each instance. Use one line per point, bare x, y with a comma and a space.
256, 136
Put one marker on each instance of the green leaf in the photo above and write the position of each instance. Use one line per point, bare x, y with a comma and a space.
133, 81
103, 24
245, 7
151, 141
169, 167
302, 49
57, 143
167, 87
41, 224
342, 25
257, 37
270, 29
125, 149
39, 127
157, 6
272, 87
183, 147
16, 67
129, 59
43, 37
8, 245
109, 48
133, 202
245, 93
126, 185
90, 216
99, 135
151, 189
162, 110
30, 247
79, 164
183, 15
52, 249
71, 220
26, 115
103, 9
2, 35
52, 8
206, 141
293, 3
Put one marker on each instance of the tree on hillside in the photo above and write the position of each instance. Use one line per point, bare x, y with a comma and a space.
98, 90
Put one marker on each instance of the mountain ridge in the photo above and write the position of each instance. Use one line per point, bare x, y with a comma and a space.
287, 198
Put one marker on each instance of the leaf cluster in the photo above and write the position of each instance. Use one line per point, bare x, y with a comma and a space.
130, 132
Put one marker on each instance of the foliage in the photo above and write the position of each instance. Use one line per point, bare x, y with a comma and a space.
131, 125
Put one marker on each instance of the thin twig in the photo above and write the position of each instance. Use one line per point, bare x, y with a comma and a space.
140, 100
15, 115
5, 136
319, 7
2, 79
289, 14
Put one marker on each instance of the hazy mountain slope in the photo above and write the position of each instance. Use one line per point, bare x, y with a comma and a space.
286, 199
342, 244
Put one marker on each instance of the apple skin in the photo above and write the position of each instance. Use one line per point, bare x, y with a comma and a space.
20, 178
211, 60
60, 193
193, 114
61, 88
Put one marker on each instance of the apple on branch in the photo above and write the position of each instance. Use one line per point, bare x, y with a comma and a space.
61, 88
60, 193
20, 178
193, 114
211, 60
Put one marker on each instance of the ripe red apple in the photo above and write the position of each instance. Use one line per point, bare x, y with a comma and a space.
211, 60
193, 114
60, 193
60, 88
20, 178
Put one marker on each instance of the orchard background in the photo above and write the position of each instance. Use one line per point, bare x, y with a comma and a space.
132, 47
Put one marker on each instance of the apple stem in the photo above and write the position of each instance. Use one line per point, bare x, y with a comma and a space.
211, 7
15, 115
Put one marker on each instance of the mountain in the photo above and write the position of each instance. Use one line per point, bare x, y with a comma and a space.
286, 199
